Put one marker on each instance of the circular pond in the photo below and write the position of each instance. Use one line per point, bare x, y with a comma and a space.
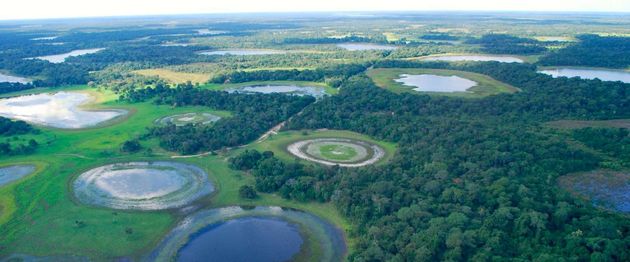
12, 173
188, 118
252, 234
142, 185
344, 152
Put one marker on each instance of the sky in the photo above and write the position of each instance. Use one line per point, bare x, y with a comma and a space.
38, 9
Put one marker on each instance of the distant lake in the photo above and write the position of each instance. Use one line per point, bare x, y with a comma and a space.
60, 58
475, 58
363, 47
602, 74
13, 79
287, 89
244, 239
243, 52
435, 83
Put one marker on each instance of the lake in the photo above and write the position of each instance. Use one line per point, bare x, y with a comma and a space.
60, 58
59, 110
263, 233
436, 83
13, 79
244, 239
364, 46
243, 52
12, 173
601, 74
474, 58
287, 89
142, 185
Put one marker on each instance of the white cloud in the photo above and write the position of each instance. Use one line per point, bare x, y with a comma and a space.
26, 9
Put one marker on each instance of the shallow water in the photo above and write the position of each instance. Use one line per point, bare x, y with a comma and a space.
142, 185
188, 118
13, 79
9, 174
264, 239
249, 234
60, 110
60, 58
475, 58
363, 47
602, 74
243, 52
435, 83
289, 89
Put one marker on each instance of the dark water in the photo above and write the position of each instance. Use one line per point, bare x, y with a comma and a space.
261, 239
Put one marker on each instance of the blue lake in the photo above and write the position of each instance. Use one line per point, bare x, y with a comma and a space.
261, 239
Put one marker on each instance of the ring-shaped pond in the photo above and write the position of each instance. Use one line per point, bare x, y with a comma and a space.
344, 152
142, 185
188, 118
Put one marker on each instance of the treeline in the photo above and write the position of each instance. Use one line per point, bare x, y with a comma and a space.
6, 87
592, 50
150, 55
253, 115
329, 40
473, 179
9, 127
507, 44
439, 37
332, 75
543, 98
614, 142
22, 149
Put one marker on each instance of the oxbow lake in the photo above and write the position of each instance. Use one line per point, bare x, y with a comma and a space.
436, 83
601, 74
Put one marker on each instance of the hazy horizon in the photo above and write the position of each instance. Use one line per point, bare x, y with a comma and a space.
67, 9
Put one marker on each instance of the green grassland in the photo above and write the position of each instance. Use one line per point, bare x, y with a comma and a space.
384, 77
278, 143
337, 152
38, 215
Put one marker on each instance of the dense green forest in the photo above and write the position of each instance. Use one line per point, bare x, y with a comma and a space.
592, 50
474, 179
254, 114
10, 128
507, 44
468, 179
